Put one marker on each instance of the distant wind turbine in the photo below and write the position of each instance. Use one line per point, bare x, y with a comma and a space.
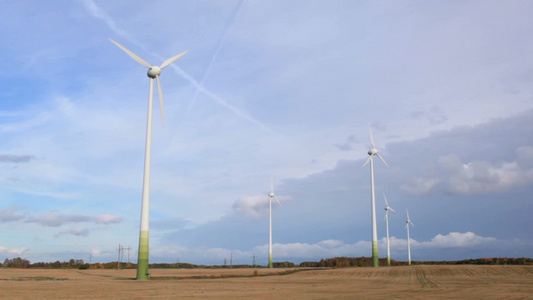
373, 152
153, 72
270, 196
387, 208
408, 238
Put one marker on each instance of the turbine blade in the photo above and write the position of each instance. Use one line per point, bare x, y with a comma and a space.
167, 62
371, 137
277, 200
133, 55
386, 203
272, 184
407, 214
367, 160
382, 159
161, 100
412, 223
390, 208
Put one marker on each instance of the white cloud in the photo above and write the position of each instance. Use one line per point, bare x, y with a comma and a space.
56, 220
420, 186
15, 158
77, 231
525, 157
475, 177
450, 240
107, 219
335, 248
323, 249
96, 251
457, 240
483, 176
8, 214
257, 206
13, 251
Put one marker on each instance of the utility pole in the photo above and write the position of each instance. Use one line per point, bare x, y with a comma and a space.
118, 260
121, 253
253, 259
231, 260
127, 249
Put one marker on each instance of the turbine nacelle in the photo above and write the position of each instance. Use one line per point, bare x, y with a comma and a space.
272, 195
154, 72
408, 221
373, 151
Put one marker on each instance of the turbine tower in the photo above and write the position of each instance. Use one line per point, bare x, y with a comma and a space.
387, 208
270, 196
408, 238
153, 72
373, 152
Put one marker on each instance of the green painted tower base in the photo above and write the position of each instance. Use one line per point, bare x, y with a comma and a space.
270, 264
375, 258
142, 263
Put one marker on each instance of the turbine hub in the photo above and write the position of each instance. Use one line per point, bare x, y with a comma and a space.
154, 72
271, 195
373, 151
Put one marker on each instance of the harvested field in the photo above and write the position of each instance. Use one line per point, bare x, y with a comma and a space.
415, 282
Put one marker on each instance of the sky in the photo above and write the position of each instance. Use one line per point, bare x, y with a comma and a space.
269, 90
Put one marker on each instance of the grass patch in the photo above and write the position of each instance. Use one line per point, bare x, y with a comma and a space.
254, 274
36, 278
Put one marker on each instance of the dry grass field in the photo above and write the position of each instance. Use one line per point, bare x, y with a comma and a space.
414, 282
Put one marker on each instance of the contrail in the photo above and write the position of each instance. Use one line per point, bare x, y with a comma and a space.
218, 99
215, 55
98, 13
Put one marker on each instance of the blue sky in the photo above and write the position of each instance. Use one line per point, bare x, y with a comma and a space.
268, 89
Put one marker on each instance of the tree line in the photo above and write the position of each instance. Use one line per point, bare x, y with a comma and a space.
338, 262
335, 262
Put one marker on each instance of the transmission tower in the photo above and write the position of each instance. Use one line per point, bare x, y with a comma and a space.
253, 259
119, 256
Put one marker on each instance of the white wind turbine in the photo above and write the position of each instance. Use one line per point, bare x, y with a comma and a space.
408, 238
387, 208
270, 196
153, 72
373, 152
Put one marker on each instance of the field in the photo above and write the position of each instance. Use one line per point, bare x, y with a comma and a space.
414, 282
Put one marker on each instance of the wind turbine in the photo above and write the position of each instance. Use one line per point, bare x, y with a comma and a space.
270, 196
373, 152
387, 208
408, 238
153, 72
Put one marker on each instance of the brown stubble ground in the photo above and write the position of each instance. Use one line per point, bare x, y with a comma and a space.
414, 282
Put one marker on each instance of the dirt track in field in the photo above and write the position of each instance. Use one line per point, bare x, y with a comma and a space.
414, 282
